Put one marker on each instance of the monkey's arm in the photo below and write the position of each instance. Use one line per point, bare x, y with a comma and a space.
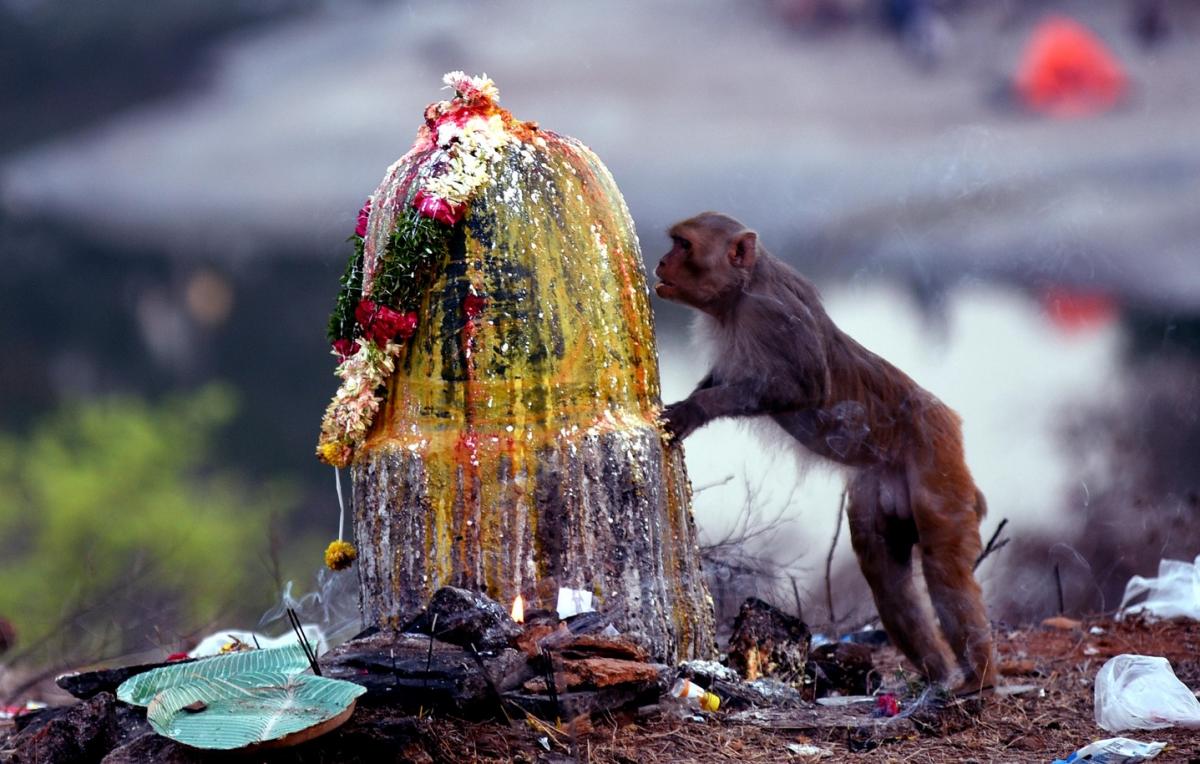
711, 401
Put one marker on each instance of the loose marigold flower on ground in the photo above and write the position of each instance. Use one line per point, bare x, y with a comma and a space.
339, 555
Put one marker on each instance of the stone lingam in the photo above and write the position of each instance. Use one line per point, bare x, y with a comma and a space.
501, 386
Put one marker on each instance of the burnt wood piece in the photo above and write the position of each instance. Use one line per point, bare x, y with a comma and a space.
596, 673
768, 642
400, 669
842, 667
88, 684
464, 618
596, 646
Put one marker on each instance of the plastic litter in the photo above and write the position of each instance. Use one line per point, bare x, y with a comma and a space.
809, 750
886, 705
694, 694
1115, 750
1173, 593
838, 701
223, 641
1142, 692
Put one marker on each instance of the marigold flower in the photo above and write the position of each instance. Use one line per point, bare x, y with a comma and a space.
334, 453
339, 555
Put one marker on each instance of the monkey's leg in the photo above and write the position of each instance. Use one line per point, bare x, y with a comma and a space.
949, 547
884, 546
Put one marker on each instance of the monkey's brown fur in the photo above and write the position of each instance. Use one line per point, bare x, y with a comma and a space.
778, 354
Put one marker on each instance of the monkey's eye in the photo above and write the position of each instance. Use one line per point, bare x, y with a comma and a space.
682, 243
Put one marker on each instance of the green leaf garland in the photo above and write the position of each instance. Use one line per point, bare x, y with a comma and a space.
416, 245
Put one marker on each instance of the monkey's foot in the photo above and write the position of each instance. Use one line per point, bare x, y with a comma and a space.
972, 687
940, 711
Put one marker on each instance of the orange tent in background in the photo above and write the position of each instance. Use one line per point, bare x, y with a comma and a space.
1066, 71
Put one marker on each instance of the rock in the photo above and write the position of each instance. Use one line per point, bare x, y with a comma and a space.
768, 642
153, 747
85, 732
842, 667
761, 693
772, 692
707, 670
466, 618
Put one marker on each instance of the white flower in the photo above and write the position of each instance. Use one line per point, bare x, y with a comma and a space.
472, 88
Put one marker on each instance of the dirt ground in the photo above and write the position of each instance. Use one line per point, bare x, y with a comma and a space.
1049, 721
1037, 726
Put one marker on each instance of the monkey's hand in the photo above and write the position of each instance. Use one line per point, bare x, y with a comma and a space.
681, 419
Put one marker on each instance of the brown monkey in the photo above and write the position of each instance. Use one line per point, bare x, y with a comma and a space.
779, 355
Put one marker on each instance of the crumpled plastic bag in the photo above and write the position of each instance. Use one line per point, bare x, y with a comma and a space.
218, 642
1142, 692
1175, 592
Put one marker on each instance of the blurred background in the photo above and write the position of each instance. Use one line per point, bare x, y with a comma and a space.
1003, 198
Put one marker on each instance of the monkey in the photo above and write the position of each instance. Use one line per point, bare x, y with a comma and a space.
778, 355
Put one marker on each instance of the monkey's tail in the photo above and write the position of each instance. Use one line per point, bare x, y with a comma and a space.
980, 504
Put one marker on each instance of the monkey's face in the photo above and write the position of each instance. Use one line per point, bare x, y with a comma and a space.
680, 272
700, 271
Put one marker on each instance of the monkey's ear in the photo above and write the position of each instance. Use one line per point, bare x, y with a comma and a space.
744, 250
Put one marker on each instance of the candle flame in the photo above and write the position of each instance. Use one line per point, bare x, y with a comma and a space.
518, 609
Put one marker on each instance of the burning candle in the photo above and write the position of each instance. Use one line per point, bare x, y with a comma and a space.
518, 609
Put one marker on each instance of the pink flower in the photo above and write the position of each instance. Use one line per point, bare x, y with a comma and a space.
437, 208
473, 305
407, 325
361, 229
380, 323
345, 348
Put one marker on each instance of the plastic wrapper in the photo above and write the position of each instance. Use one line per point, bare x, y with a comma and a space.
1175, 592
1142, 692
1115, 750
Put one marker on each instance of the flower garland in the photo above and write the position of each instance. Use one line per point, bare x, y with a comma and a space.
376, 309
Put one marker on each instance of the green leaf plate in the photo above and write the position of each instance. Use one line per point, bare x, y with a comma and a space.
252, 710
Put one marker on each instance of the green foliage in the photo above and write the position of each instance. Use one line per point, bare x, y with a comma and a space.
116, 523
341, 321
405, 270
